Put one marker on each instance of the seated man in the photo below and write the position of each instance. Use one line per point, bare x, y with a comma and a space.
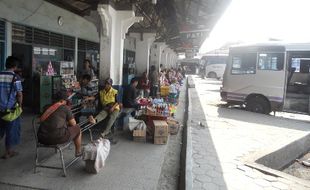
88, 95
110, 106
58, 125
130, 95
86, 87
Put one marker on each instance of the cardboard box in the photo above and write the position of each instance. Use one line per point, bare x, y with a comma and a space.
150, 111
139, 135
173, 126
160, 128
161, 140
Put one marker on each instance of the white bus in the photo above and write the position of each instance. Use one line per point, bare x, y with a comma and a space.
268, 77
215, 65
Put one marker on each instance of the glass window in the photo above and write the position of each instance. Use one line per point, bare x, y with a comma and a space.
2, 55
244, 64
68, 55
271, 61
301, 65
296, 64
216, 60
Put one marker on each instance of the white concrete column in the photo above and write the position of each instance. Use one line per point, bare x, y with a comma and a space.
165, 58
143, 45
156, 53
105, 43
172, 59
115, 25
8, 36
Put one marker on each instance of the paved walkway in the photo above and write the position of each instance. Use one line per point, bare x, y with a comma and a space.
130, 165
225, 136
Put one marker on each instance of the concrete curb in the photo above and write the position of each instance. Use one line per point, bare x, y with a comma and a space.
189, 146
186, 178
190, 82
276, 160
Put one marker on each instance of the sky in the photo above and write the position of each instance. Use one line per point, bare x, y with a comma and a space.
260, 20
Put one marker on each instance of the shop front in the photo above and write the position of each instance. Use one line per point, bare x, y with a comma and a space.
2, 44
88, 50
48, 63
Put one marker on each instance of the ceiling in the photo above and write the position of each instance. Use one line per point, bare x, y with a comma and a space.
182, 24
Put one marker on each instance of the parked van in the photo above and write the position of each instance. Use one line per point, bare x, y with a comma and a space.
214, 65
268, 77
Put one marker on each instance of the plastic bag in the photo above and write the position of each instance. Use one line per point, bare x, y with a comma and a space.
136, 124
95, 153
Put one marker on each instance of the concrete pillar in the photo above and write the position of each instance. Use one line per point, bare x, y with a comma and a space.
115, 25
163, 58
170, 59
143, 45
8, 36
156, 53
166, 57
173, 59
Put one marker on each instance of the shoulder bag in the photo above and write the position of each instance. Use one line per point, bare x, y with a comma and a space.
11, 114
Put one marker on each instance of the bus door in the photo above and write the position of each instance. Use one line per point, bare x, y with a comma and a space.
271, 76
298, 82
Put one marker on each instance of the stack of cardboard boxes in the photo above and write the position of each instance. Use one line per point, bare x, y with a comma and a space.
159, 129
161, 132
139, 135
173, 126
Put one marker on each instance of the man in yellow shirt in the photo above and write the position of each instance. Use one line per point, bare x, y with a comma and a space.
110, 106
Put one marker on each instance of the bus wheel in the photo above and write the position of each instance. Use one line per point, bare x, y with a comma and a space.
212, 75
258, 105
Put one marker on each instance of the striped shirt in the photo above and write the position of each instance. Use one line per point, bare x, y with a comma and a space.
6, 78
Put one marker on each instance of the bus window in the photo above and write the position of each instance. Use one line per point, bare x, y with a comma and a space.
296, 64
216, 60
244, 64
271, 61
304, 66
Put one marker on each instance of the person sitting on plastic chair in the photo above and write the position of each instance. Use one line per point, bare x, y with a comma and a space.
110, 107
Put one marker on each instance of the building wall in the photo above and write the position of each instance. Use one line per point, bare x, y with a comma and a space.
43, 15
157, 54
130, 44
144, 42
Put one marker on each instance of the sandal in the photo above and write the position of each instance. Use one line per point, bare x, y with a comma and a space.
6, 156
79, 154
9, 155
12, 154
